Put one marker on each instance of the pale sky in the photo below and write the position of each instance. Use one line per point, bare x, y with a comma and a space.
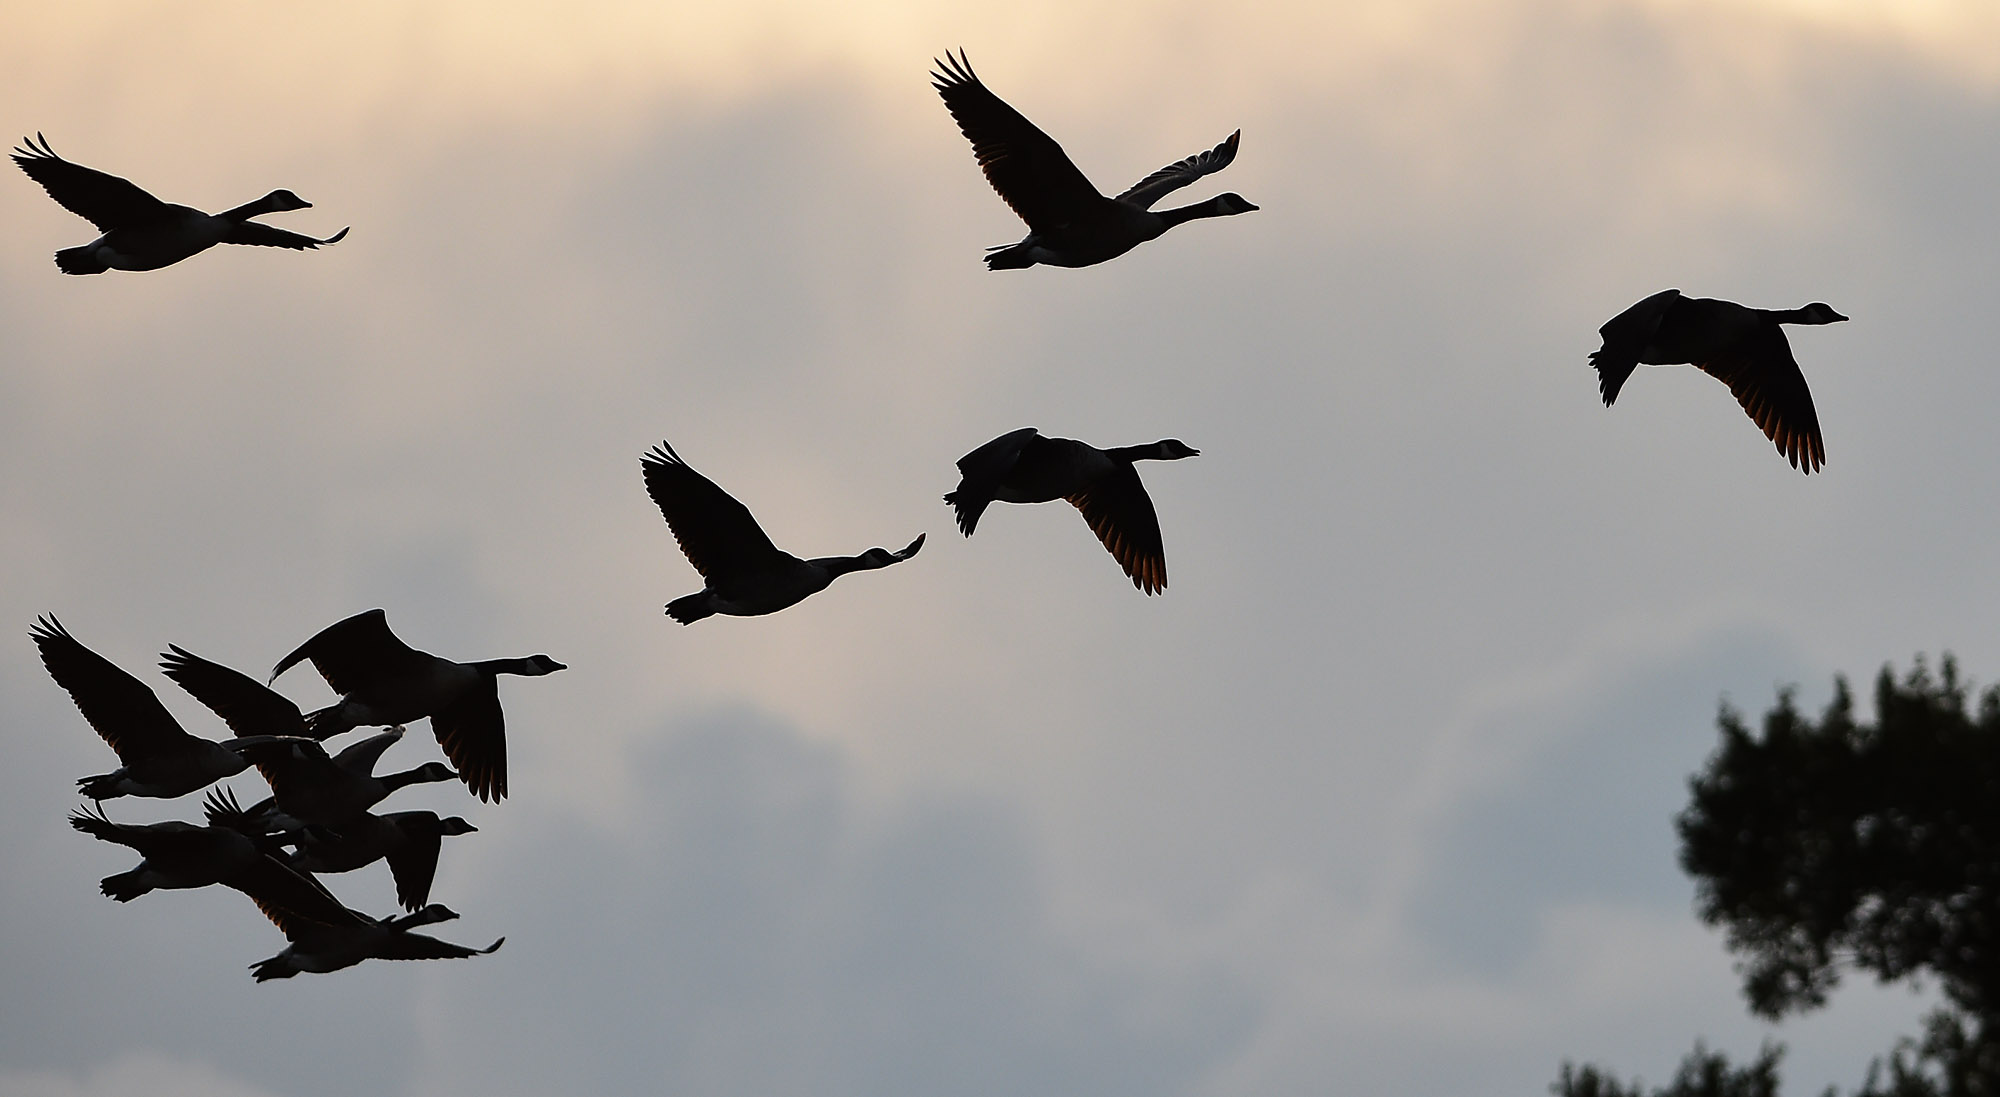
1376, 798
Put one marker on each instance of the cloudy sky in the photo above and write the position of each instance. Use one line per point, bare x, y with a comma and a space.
1376, 798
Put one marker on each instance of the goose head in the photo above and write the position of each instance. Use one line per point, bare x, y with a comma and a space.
835, 566
432, 771
537, 665
1173, 449
456, 824
1819, 312
1233, 202
280, 200
882, 558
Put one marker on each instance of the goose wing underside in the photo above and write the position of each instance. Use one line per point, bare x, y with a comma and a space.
353, 652
248, 706
1025, 166
473, 733
296, 897
1761, 372
1179, 174
100, 198
1121, 515
717, 534
123, 711
414, 866
300, 906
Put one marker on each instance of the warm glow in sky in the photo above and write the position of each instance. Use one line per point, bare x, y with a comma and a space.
372, 60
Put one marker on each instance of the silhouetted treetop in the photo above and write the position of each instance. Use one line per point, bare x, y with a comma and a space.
1876, 845
1949, 1061
1702, 1074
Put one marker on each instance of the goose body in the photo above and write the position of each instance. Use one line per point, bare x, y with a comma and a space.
1744, 348
409, 840
745, 575
140, 232
309, 787
1023, 466
160, 758
1070, 224
383, 681
183, 855
322, 945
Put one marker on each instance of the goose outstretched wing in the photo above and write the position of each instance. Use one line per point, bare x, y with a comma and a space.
248, 706
1179, 174
1026, 167
102, 199
1121, 514
716, 533
252, 232
353, 652
123, 711
473, 732
1760, 370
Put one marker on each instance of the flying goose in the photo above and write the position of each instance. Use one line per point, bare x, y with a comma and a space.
140, 231
1023, 466
409, 840
745, 575
1742, 347
160, 758
1069, 223
183, 855
306, 784
383, 681
344, 941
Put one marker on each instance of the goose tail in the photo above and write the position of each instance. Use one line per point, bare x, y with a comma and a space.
1010, 256
967, 509
1612, 370
277, 967
691, 608
80, 260
125, 886
101, 787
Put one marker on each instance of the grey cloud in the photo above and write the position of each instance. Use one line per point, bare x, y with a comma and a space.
753, 926
1582, 812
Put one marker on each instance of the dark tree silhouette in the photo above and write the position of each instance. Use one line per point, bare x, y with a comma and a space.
1819, 847
1702, 1074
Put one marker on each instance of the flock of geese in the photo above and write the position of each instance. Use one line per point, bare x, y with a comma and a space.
320, 818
